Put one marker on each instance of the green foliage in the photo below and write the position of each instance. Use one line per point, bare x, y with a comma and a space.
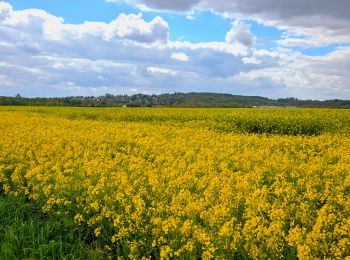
26, 233
170, 100
284, 122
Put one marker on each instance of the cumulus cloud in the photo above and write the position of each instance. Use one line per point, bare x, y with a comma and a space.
133, 27
283, 9
318, 77
158, 70
5, 10
318, 22
240, 34
179, 56
179, 5
41, 55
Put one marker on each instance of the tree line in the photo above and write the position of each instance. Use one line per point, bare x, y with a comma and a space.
171, 100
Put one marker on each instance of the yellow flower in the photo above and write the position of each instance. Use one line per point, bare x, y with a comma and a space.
97, 231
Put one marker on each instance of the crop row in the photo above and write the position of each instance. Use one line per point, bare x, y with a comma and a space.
255, 121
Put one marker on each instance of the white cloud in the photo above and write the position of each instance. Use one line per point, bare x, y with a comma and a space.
320, 22
41, 55
156, 70
179, 56
5, 10
240, 34
221, 47
251, 60
312, 77
133, 27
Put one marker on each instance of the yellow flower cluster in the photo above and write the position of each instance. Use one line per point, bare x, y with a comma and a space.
169, 189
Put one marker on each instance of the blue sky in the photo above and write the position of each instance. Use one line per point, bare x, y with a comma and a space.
77, 11
202, 45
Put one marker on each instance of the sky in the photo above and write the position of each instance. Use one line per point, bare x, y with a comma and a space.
271, 48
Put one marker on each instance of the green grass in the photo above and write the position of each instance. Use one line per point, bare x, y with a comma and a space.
26, 233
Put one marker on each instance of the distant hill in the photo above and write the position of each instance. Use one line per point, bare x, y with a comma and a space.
191, 99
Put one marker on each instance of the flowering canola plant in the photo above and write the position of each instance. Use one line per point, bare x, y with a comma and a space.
159, 187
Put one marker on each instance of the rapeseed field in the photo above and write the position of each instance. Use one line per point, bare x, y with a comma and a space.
187, 183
